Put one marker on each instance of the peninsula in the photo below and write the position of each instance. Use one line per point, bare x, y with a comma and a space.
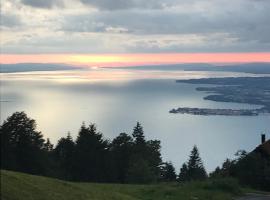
250, 90
209, 111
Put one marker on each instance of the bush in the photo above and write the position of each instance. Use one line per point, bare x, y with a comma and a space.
224, 184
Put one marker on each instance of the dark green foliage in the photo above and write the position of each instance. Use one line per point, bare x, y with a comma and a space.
183, 175
224, 171
136, 160
251, 169
153, 156
89, 158
22, 146
168, 172
90, 155
121, 148
145, 159
225, 184
138, 134
194, 169
140, 171
48, 146
195, 166
64, 155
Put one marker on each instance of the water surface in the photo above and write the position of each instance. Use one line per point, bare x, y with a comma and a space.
60, 101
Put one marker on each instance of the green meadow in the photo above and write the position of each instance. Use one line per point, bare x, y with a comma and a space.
22, 186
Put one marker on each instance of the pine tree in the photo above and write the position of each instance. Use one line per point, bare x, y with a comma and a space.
183, 175
138, 134
121, 148
145, 159
140, 172
196, 170
64, 154
91, 155
48, 146
168, 172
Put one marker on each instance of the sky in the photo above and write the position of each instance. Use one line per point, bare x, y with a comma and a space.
125, 31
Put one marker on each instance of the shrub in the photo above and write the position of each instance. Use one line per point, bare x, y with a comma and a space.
224, 184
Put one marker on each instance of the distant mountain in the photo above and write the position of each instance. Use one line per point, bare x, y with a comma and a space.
254, 68
172, 67
27, 67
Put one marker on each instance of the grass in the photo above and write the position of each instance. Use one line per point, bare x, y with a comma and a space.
19, 186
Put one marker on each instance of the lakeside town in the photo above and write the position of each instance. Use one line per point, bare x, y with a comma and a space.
209, 111
249, 90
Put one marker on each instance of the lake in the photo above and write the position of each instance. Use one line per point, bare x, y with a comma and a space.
116, 99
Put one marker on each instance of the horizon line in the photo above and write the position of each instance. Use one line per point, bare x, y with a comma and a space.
131, 59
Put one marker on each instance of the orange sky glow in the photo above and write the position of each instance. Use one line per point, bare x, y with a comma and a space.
110, 60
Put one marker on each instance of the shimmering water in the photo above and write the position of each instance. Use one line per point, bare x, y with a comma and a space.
116, 100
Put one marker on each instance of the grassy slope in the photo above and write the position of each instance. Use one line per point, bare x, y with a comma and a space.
19, 186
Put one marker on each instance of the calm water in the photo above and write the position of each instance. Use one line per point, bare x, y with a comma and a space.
116, 100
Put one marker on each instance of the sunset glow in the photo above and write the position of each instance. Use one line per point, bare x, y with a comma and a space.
135, 59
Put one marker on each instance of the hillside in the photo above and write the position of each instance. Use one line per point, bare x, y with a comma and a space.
21, 186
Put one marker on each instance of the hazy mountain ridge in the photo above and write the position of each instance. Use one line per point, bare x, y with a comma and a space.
254, 68
28, 67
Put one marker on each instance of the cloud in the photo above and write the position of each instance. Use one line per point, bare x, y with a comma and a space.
122, 26
9, 21
88, 24
124, 4
42, 3
237, 23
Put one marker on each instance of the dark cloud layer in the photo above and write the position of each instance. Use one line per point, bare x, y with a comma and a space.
254, 26
124, 4
42, 3
136, 26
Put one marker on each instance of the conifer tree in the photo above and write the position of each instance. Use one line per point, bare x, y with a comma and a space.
64, 154
183, 175
22, 145
168, 172
121, 148
48, 146
138, 134
91, 155
196, 170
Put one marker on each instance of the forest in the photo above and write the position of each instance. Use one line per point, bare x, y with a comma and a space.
126, 159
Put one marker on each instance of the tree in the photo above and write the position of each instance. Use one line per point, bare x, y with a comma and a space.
153, 156
140, 172
194, 169
138, 134
216, 173
168, 172
148, 154
252, 169
121, 148
183, 175
48, 146
64, 155
91, 155
195, 166
22, 145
